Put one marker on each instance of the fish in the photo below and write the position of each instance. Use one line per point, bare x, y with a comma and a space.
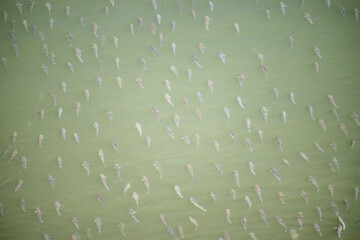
207, 21
283, 115
77, 138
335, 209
356, 13
6, 149
265, 111
95, 50
146, 183
331, 166
193, 220
59, 161
96, 125
304, 195
13, 154
167, 84
291, 41
211, 6
196, 60
335, 114
356, 193
86, 166
148, 142
346, 205
267, 13
177, 121
153, 49
318, 209
318, 146
236, 177
24, 22
138, 128
243, 222
227, 215
331, 190
69, 37
132, 213
174, 69
63, 85
352, 144
41, 138
251, 167
19, 184
211, 85
157, 166
78, 54
217, 146
287, 162
143, 64
181, 231
168, 99
311, 112
169, 132
154, 4
173, 24
317, 228
341, 222
248, 201
51, 179
173, 48
185, 101
281, 197
344, 129
303, 155
67, 11
316, 66
127, 187
276, 92
4, 61
139, 81
281, 221
51, 22
292, 98
160, 36
300, 219
158, 19
63, 133
122, 227
202, 48
114, 145
186, 139
328, 3
117, 62
233, 194
117, 170
116, 40
213, 196
191, 171
39, 214
24, 161
342, 11
103, 180
177, 190
317, 52
227, 113
222, 57
16, 50
71, 67
258, 192
136, 198
336, 163
76, 223
219, 167
248, 144
197, 204
119, 82
333, 146
97, 221
278, 142
263, 216
313, 181
5, 16
48, 6
162, 218
131, 27
274, 172
106, 11
13, 24
22, 205
237, 28
81, 19
94, 27
188, 72
77, 108
253, 236
308, 17
241, 78
282, 8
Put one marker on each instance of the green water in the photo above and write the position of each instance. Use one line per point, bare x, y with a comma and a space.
25, 90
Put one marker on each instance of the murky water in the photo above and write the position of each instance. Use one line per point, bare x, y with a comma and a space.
25, 91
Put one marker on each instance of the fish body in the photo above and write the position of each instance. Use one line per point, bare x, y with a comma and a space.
24, 22
86, 166
265, 111
177, 121
248, 144
236, 177
177, 190
173, 48
344, 129
148, 142
71, 67
191, 171
314, 181
219, 167
193, 220
336, 163
352, 143
13, 154
335, 209
227, 215
248, 201
243, 222
153, 49
41, 138
39, 214
241, 78
173, 24
282, 8
303, 155
317, 52
292, 97
19, 184
131, 27
318, 209
117, 170
217, 146
281, 222
213, 196
207, 21
196, 204
168, 99
51, 22
356, 13
160, 36
333, 146
95, 50
281, 197
143, 63
96, 125
237, 28
158, 167
117, 63
291, 41
138, 128
103, 180
132, 213
332, 100
169, 132
251, 167
342, 11
287, 162
283, 115
274, 172
308, 17
331, 190
186, 139
318, 146
304, 195
263, 216
233, 194
222, 57
22, 205
300, 219
59, 161
51, 179
174, 69
136, 198
146, 183
227, 113
162, 218
122, 227
78, 54
76, 223
24, 161
311, 112
258, 192
211, 85
127, 187
267, 13
97, 221
278, 142
114, 145
181, 232
202, 48
317, 228
77, 138
247, 123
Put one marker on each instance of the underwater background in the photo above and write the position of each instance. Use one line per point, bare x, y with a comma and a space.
258, 59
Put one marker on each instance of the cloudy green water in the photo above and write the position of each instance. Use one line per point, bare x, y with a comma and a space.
25, 90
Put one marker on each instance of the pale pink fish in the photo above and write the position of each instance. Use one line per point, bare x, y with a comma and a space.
179, 7
103, 180
71, 67
181, 232
291, 41
227, 215
344, 129
258, 192
263, 216
318, 209
97, 221
160, 35
217, 146
168, 99
236, 177
317, 228
177, 121
308, 17
117, 62
278, 142
304, 195
281, 222
251, 167
197, 140
77, 138
287, 162
352, 144
202, 48
219, 167
19, 6
51, 22
77, 108
314, 181
243, 222
331, 190
336, 163
143, 63
264, 69
162, 218
281, 197
198, 113
102, 157
334, 208
136, 198
248, 201
274, 172
78, 54
41, 138
322, 124
191, 171
146, 182
67, 11
99, 82
86, 166
193, 220
173, 24
276, 92
156, 113
303, 155
261, 135
59, 161
233, 194
300, 219
106, 9
94, 27
140, 83
241, 78
122, 228
168, 84
332, 100
13, 154
318, 146
22, 204
248, 144
19, 184
264, 112
13, 24
76, 223
131, 27
119, 82
333, 146
39, 214
60, 111
213, 196
48, 6
185, 101
206, 21
211, 85
95, 50
127, 187
24, 161
316, 66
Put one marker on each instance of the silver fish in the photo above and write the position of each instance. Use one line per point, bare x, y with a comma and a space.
318, 209
292, 98
303, 155
251, 167
196, 204
122, 227
291, 41
317, 228
196, 60
222, 57
227, 215
38, 214
274, 172
103, 180
114, 145
132, 213
243, 222
283, 115
148, 142
281, 222
278, 142
158, 167
248, 201
308, 17
97, 220
77, 138
136, 198
22, 205
313, 181
331, 190
282, 8
263, 216
265, 111
236, 177
318, 146
78, 54
177, 190
219, 167
248, 144
317, 52
169, 132
51, 181
117, 169
311, 112
239, 101
173, 24
342, 11
127, 187
146, 182
86, 166
304, 195
227, 113
267, 13
76, 223
300, 219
